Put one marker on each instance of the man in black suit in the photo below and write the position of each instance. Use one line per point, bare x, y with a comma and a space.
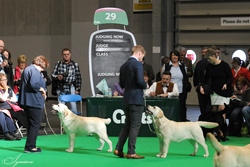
131, 78
199, 72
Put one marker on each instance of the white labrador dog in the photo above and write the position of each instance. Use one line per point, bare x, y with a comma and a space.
75, 125
169, 131
229, 156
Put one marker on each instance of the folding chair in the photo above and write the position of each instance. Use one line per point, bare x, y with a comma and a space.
20, 129
71, 98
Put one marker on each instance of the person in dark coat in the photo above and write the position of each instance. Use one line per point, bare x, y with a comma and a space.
149, 69
8, 68
131, 78
32, 95
199, 72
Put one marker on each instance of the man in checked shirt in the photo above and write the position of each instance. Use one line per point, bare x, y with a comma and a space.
68, 74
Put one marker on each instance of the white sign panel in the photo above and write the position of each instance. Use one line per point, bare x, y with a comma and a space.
235, 21
156, 49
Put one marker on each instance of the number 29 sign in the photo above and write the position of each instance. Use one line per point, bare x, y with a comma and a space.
110, 16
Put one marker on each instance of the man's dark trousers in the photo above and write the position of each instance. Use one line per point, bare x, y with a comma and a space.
131, 128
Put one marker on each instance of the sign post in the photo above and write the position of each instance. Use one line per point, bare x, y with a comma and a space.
108, 48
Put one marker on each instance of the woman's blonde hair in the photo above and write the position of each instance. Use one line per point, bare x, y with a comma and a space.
2, 75
21, 59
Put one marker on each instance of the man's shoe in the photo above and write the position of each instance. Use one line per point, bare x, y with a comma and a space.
119, 154
134, 156
8, 136
17, 136
34, 150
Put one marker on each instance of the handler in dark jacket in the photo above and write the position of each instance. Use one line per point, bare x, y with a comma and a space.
31, 97
131, 78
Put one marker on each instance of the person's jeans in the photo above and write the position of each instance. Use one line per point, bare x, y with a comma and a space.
68, 92
246, 114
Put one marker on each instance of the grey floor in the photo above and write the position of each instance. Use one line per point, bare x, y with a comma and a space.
193, 113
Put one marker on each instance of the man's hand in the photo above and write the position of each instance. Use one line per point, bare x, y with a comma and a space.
202, 90
77, 93
4, 63
224, 87
115, 93
59, 77
152, 94
165, 95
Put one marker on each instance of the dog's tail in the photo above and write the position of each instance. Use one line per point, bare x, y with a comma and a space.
207, 124
106, 121
214, 143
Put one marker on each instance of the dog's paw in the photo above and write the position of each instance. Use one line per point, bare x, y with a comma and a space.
205, 155
99, 149
69, 150
193, 154
163, 156
158, 155
110, 150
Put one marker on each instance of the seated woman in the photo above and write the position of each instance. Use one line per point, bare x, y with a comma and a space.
6, 93
5, 116
8, 127
238, 101
117, 91
238, 70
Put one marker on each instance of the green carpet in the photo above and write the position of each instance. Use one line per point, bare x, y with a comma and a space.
85, 154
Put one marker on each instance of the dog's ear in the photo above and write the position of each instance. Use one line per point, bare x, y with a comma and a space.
159, 114
66, 112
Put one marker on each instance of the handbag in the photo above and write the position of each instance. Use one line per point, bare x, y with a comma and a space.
15, 107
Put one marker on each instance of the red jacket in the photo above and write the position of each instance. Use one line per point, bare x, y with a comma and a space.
17, 76
242, 72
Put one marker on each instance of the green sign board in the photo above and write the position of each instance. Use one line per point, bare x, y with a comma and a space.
110, 16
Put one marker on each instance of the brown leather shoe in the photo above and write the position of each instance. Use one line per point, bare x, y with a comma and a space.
134, 156
119, 154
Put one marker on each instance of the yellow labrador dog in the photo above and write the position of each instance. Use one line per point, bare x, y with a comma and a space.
169, 131
75, 125
229, 156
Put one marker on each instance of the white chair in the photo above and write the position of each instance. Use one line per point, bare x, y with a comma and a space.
71, 98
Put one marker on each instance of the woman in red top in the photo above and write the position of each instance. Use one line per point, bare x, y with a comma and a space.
21, 60
237, 70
